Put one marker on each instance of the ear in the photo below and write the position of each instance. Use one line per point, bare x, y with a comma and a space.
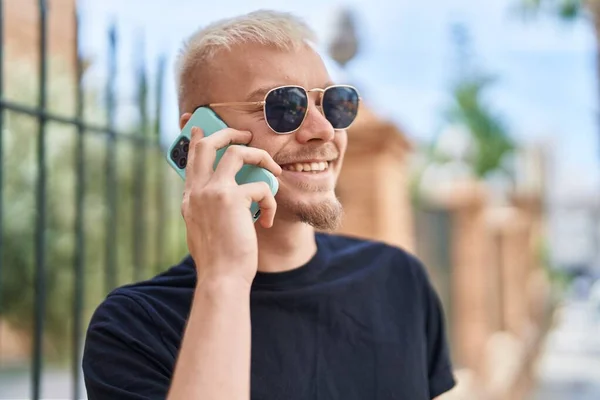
184, 120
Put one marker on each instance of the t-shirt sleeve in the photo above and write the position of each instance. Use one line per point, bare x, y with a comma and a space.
441, 377
124, 355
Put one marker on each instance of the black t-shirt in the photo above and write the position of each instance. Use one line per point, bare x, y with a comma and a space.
359, 321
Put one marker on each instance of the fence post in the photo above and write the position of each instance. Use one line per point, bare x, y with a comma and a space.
139, 177
1, 151
110, 278
40, 228
79, 256
160, 197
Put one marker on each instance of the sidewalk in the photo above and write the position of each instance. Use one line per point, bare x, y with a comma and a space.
569, 368
56, 385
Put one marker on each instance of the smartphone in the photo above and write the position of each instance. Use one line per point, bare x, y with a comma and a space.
209, 122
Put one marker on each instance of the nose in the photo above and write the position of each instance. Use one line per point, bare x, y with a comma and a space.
315, 127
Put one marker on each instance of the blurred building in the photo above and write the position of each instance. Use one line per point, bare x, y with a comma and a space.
575, 235
22, 30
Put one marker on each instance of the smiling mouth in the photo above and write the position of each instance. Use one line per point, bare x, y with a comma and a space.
314, 167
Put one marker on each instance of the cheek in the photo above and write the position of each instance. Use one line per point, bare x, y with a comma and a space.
255, 124
341, 142
264, 138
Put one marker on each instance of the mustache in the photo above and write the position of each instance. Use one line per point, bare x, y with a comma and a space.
326, 151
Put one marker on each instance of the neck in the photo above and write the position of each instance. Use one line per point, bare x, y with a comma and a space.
285, 246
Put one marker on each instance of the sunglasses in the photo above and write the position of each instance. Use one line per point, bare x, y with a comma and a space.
286, 107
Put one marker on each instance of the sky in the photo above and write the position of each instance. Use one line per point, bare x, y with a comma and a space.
546, 88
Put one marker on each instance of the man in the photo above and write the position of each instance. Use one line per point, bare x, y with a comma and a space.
270, 310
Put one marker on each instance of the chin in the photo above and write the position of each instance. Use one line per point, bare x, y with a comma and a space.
322, 212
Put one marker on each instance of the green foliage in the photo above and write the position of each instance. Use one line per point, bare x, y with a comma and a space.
469, 109
488, 129
567, 10
19, 168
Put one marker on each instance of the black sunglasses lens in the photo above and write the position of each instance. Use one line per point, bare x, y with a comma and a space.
340, 106
285, 108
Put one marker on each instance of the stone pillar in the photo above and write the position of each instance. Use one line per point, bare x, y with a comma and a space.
21, 18
470, 260
515, 252
373, 185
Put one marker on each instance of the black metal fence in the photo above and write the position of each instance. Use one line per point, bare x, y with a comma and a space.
138, 211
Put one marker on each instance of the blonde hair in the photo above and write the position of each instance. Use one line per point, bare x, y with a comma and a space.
270, 28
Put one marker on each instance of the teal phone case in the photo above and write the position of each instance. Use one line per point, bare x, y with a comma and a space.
210, 123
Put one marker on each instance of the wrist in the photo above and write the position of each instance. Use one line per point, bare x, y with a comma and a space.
223, 285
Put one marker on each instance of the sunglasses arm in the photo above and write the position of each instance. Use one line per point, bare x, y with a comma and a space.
239, 103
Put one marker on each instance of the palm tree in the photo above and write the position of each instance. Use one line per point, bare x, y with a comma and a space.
470, 110
486, 127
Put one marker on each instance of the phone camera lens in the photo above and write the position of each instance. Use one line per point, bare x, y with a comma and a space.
186, 148
175, 154
182, 162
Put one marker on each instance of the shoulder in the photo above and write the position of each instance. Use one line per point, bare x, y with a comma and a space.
126, 354
121, 306
117, 322
167, 289
140, 320
139, 306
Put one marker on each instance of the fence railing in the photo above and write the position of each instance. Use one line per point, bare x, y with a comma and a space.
150, 235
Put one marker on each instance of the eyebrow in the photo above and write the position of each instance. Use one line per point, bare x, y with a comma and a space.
260, 93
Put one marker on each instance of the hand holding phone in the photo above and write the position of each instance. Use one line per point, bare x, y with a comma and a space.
221, 237
210, 124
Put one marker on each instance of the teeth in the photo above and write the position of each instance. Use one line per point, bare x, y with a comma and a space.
307, 167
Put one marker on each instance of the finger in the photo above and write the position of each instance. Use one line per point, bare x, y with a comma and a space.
236, 156
203, 150
196, 135
260, 193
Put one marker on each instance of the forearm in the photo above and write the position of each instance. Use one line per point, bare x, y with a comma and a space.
214, 358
